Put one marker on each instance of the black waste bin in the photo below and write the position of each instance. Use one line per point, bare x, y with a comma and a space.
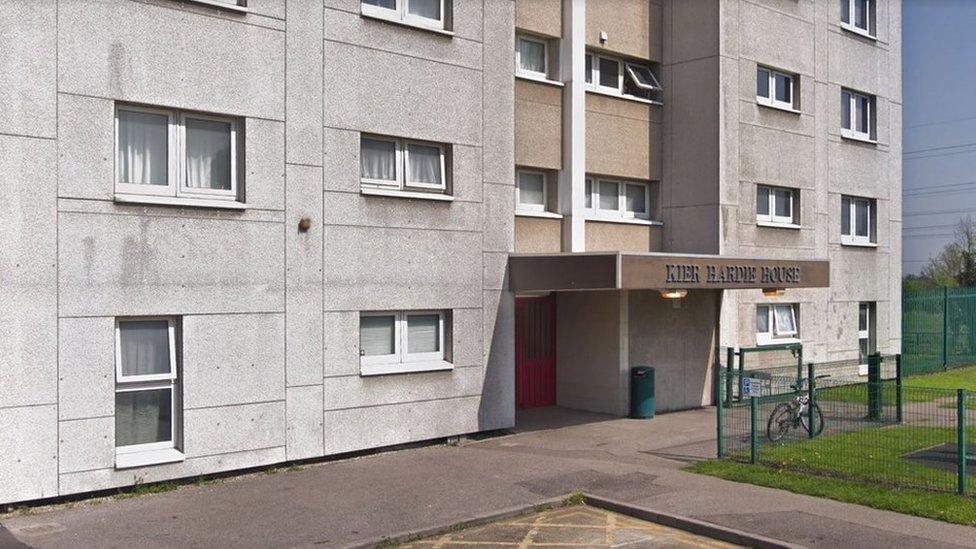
642, 392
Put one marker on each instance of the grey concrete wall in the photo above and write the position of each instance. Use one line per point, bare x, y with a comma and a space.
805, 151
269, 315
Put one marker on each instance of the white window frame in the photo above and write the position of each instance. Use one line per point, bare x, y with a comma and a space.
442, 186
771, 100
545, 57
155, 382
176, 161
656, 86
851, 24
402, 163
621, 212
402, 13
853, 238
519, 206
775, 335
624, 71
619, 88
771, 217
864, 334
402, 361
851, 107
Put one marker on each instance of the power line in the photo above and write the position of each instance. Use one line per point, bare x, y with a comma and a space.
927, 193
939, 154
945, 147
938, 212
961, 183
950, 121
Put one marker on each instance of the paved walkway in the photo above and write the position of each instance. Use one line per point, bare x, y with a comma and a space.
348, 502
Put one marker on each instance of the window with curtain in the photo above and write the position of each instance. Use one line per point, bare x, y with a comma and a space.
403, 341
426, 13
608, 199
399, 164
531, 57
777, 322
530, 191
146, 389
169, 153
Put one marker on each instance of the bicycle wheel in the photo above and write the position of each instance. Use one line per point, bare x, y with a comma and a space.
818, 420
779, 421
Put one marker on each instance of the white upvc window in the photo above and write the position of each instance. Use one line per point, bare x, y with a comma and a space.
531, 193
532, 57
147, 392
776, 323
402, 164
775, 205
618, 77
775, 88
171, 153
858, 16
425, 13
609, 199
856, 225
402, 341
863, 335
857, 115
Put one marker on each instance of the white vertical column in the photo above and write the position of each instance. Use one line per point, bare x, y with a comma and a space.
572, 62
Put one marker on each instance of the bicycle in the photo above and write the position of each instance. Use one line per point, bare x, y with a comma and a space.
794, 414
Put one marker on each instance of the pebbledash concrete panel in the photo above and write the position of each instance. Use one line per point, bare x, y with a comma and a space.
304, 418
152, 54
251, 367
86, 367
29, 461
135, 265
304, 69
227, 429
356, 391
86, 444
28, 68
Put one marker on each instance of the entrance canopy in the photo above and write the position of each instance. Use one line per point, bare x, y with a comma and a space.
659, 271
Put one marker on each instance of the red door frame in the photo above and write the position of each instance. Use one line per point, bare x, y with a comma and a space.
535, 377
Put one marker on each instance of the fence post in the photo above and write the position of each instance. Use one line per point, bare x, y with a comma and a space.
754, 430
945, 328
729, 362
874, 386
799, 365
810, 393
719, 419
742, 371
899, 391
961, 440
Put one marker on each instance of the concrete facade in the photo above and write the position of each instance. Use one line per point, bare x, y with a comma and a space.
268, 315
267, 310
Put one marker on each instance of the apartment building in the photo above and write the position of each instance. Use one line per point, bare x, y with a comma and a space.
239, 233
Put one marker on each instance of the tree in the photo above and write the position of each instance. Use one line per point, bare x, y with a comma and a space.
955, 265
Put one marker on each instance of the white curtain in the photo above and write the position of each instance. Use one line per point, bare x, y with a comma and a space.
532, 56
142, 417
143, 154
423, 334
784, 319
608, 196
208, 154
531, 189
377, 159
145, 347
431, 9
762, 320
425, 164
376, 335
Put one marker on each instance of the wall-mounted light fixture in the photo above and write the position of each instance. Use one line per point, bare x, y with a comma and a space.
674, 294
773, 292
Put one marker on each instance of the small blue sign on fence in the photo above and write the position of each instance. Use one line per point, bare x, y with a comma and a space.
752, 387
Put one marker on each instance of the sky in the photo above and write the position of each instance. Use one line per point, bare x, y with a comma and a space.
939, 124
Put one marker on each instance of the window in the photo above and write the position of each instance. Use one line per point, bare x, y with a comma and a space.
776, 323
775, 89
775, 205
531, 192
618, 199
857, 115
146, 392
858, 16
402, 341
856, 225
169, 153
531, 57
401, 164
425, 13
619, 77
864, 336
235, 5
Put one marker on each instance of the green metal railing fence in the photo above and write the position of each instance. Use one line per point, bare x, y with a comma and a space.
876, 429
938, 329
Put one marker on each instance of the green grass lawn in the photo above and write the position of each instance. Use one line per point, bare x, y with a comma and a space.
934, 505
925, 388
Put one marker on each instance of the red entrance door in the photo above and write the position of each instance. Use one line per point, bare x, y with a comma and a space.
535, 352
